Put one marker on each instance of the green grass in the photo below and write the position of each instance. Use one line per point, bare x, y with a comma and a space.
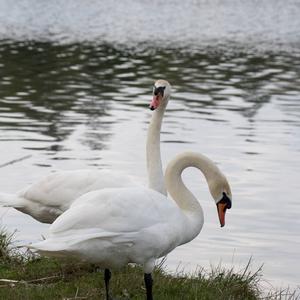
27, 276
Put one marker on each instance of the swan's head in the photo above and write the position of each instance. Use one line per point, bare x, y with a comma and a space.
223, 199
161, 94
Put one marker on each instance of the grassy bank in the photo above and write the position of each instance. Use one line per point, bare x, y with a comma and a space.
28, 276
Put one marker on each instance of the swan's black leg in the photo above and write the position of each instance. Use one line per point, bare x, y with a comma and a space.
148, 283
107, 276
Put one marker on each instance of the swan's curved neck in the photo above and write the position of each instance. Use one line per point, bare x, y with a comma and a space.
180, 193
175, 186
154, 164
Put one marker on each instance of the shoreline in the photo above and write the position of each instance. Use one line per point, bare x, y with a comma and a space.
29, 276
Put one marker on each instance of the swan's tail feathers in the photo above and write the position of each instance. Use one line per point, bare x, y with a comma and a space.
69, 246
11, 200
47, 248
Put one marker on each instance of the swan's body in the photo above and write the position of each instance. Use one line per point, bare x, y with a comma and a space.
118, 229
49, 197
113, 227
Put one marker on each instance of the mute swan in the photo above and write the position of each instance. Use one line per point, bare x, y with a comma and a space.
113, 227
49, 197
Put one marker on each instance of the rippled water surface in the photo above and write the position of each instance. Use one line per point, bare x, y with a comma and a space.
76, 81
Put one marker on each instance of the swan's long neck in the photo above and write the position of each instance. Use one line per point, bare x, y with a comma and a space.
180, 193
154, 164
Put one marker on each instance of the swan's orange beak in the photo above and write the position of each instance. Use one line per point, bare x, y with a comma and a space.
221, 212
222, 205
158, 94
155, 101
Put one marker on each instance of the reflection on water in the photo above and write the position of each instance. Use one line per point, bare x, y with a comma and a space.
68, 106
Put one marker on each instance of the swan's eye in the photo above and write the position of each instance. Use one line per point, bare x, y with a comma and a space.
159, 90
226, 200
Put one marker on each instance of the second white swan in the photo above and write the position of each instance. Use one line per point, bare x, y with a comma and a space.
113, 227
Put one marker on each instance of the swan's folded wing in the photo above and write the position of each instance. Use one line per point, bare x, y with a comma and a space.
62, 188
115, 221
115, 210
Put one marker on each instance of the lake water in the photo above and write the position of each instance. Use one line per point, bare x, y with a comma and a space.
76, 81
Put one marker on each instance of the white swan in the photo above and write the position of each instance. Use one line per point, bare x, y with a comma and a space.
49, 197
113, 227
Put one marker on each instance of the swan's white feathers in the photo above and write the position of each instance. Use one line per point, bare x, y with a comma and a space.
49, 197
115, 210
11, 200
103, 222
61, 188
